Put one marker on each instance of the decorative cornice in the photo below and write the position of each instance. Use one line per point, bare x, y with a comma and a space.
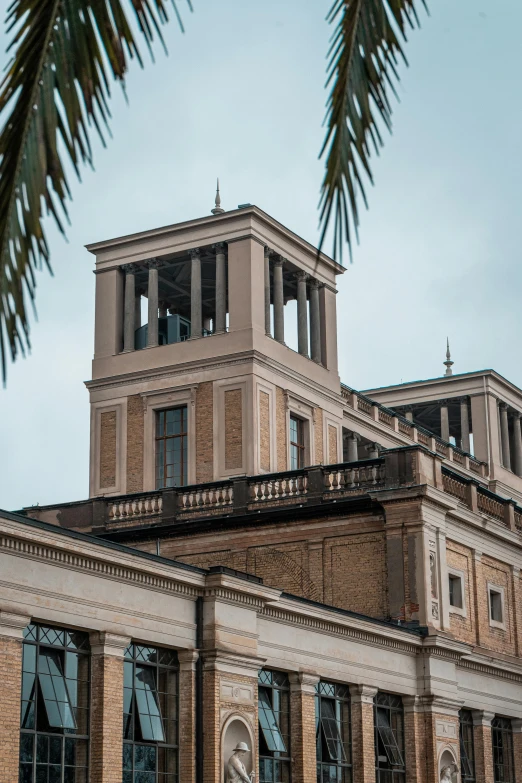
303, 681
234, 597
106, 643
337, 629
86, 563
363, 694
491, 670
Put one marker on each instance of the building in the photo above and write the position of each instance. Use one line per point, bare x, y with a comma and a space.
267, 555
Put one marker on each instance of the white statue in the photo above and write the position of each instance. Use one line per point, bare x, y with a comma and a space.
236, 772
447, 772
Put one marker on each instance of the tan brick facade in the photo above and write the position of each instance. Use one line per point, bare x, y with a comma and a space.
205, 432
134, 443
108, 449
106, 708
281, 433
461, 558
414, 740
187, 715
264, 431
318, 436
11, 683
302, 720
233, 429
363, 733
483, 747
333, 456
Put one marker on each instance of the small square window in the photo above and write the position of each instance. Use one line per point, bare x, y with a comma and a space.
496, 608
455, 591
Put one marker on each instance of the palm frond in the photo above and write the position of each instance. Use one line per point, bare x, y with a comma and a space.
55, 90
362, 68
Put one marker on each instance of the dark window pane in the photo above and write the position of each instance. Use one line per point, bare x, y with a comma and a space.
26, 773
26, 747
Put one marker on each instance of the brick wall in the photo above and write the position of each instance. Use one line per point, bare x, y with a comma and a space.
11, 680
233, 429
482, 746
187, 716
332, 445
264, 431
106, 720
461, 558
302, 721
108, 449
363, 734
134, 443
355, 573
205, 432
318, 436
414, 739
497, 573
281, 429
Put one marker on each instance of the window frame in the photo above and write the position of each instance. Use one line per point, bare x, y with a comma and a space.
337, 697
500, 591
46, 737
277, 763
502, 728
467, 746
457, 574
132, 725
183, 437
299, 444
392, 705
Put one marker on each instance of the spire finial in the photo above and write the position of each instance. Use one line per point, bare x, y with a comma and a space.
217, 209
448, 361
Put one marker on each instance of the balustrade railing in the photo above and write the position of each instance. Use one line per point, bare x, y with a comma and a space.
135, 506
278, 487
490, 506
369, 473
207, 496
455, 487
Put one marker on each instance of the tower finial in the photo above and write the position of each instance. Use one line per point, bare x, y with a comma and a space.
448, 361
217, 209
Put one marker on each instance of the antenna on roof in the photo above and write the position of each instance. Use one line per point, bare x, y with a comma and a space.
448, 361
217, 208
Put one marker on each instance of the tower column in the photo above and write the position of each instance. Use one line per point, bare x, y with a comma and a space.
315, 322
353, 451
504, 435
302, 315
196, 319
221, 288
518, 442
129, 313
137, 308
268, 253
279, 304
152, 295
444, 421
464, 425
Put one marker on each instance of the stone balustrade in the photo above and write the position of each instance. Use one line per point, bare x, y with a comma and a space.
387, 417
481, 500
355, 476
267, 488
135, 506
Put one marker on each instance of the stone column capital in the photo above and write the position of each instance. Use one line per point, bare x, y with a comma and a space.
279, 260
516, 725
194, 253
314, 283
268, 251
219, 247
482, 718
303, 681
302, 275
130, 269
517, 415
12, 624
363, 694
154, 263
503, 406
411, 704
354, 436
106, 643
187, 660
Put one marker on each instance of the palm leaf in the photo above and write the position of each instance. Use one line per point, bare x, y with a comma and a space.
55, 91
364, 52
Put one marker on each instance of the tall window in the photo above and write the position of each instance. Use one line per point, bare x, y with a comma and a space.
389, 739
274, 727
467, 751
297, 449
150, 715
503, 764
333, 733
171, 447
54, 717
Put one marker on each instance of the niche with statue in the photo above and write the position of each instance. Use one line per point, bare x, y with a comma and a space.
237, 752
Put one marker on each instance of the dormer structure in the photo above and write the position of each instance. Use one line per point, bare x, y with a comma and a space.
206, 388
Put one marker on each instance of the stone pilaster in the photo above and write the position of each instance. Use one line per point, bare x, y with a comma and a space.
302, 721
504, 436
129, 313
302, 315
11, 637
107, 651
483, 745
315, 322
363, 732
414, 739
279, 303
187, 715
221, 288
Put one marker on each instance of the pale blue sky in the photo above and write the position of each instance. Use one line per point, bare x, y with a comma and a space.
241, 96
